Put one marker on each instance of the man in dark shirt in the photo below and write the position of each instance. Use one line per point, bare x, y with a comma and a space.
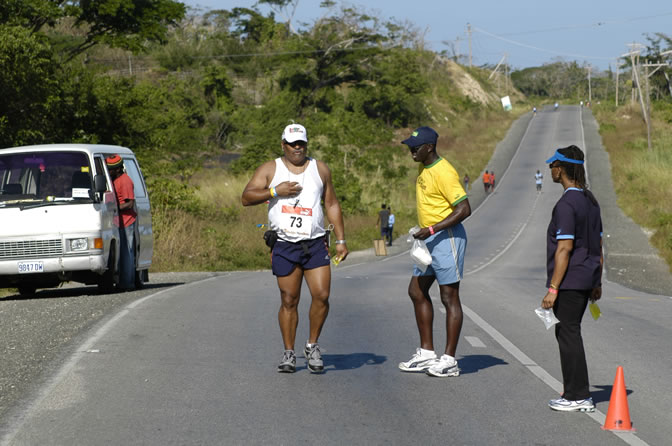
383, 220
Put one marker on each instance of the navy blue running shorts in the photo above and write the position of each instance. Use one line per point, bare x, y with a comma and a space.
308, 254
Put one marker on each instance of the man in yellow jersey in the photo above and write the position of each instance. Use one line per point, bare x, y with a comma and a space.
442, 205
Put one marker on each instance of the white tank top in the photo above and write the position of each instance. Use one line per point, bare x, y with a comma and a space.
299, 217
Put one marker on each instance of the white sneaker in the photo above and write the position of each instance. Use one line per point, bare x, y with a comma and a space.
443, 367
419, 361
564, 405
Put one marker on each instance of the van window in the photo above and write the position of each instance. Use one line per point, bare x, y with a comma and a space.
100, 170
45, 174
133, 171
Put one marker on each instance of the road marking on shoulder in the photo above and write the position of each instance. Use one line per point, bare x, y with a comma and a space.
474, 341
508, 245
539, 372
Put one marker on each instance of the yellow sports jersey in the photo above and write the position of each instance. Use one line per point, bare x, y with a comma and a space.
438, 190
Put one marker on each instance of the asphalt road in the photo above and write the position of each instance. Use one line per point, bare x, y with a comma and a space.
193, 361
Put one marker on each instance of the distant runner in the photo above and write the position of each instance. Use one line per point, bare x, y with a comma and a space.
538, 179
486, 182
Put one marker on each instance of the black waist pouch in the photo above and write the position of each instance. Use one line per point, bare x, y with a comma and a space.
270, 237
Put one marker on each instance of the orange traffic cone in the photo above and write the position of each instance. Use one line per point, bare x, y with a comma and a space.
618, 414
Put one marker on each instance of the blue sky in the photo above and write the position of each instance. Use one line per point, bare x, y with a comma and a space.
531, 33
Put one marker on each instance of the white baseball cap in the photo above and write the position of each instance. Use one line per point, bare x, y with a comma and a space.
295, 132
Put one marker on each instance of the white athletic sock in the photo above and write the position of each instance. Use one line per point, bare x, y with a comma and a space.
425, 353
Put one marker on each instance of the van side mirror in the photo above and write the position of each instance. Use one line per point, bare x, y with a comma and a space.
99, 184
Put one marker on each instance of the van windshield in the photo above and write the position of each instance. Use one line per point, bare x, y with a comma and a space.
44, 177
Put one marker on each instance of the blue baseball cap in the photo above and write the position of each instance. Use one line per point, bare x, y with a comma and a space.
420, 136
557, 156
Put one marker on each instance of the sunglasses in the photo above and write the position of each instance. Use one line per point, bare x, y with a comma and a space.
416, 148
552, 165
296, 144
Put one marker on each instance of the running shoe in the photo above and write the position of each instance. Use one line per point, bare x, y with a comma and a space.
564, 405
314, 357
419, 362
288, 363
443, 367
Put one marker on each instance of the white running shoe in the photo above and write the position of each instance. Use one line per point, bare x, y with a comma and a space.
564, 405
443, 367
314, 357
288, 362
419, 361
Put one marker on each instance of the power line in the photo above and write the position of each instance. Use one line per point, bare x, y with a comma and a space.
588, 25
524, 45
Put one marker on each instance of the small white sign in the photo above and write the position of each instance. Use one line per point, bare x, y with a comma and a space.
506, 103
80, 192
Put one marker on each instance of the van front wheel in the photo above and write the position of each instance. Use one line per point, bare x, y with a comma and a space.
108, 279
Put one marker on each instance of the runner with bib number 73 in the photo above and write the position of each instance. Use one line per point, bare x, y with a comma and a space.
295, 185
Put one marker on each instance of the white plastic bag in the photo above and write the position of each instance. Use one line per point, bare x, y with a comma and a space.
419, 251
547, 316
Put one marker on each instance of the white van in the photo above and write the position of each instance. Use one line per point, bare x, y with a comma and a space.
59, 217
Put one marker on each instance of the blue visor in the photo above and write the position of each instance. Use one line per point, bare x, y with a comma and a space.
557, 156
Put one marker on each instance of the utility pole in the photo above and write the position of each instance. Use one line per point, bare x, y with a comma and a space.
497, 67
635, 74
647, 75
635, 49
648, 106
669, 85
469, 36
457, 49
590, 90
617, 70
507, 73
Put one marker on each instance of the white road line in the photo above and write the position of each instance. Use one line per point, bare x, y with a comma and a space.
540, 373
583, 141
500, 253
474, 341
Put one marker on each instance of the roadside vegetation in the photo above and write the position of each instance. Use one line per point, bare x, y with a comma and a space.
202, 100
642, 177
203, 97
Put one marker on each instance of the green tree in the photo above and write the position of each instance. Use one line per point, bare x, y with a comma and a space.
126, 24
28, 87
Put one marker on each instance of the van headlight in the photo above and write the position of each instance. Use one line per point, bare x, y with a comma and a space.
79, 244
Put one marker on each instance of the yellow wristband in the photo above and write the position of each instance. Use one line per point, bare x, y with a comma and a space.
273, 192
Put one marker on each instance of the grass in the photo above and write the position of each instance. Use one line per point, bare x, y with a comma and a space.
642, 177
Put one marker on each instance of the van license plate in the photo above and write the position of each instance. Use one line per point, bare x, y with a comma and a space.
31, 267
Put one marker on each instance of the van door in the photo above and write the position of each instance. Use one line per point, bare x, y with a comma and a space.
143, 208
108, 209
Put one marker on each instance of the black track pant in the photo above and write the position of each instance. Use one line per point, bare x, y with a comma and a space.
569, 308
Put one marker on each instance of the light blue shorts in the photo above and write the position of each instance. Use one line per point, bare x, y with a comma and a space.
447, 248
